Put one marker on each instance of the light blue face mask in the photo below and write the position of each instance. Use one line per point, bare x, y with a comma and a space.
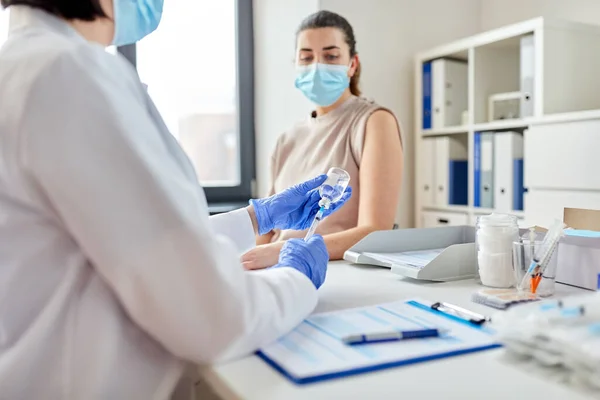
135, 19
323, 84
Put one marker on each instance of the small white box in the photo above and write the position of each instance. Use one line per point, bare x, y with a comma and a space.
504, 106
579, 256
579, 262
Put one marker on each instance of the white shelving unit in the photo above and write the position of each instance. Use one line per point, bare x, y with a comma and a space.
566, 90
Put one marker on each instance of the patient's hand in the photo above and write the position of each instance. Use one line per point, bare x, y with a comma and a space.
262, 256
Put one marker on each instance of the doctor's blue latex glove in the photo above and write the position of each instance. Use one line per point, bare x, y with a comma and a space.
294, 208
310, 258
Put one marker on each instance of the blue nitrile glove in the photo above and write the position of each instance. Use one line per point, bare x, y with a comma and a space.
310, 258
294, 208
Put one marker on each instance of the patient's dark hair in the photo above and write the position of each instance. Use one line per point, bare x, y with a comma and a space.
328, 19
87, 10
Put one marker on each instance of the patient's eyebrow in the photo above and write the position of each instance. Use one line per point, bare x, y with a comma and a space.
332, 47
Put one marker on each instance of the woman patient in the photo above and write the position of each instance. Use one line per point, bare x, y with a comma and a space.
344, 131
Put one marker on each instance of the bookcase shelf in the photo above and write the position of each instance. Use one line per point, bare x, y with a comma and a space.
563, 59
501, 125
452, 130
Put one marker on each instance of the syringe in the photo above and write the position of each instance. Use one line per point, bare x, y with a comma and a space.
315, 223
542, 255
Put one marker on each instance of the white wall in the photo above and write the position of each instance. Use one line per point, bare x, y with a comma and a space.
278, 104
497, 13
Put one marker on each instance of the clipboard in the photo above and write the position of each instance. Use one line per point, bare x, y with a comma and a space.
314, 352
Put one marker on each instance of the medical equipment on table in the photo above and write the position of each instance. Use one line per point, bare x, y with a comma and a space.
331, 191
494, 238
543, 255
523, 254
564, 335
502, 298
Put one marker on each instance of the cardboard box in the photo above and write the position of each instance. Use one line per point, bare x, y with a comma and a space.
579, 256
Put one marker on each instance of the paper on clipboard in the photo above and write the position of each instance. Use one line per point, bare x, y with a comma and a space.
314, 350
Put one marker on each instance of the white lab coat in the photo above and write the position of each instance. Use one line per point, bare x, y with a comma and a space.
113, 278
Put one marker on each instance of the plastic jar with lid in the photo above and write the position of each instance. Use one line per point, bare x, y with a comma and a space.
494, 242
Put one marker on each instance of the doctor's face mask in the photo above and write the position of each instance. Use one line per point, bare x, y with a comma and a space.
135, 19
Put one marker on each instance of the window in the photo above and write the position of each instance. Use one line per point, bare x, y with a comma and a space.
198, 69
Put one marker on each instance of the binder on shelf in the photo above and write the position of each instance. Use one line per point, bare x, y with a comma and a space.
449, 94
427, 95
427, 164
447, 150
434, 254
508, 147
487, 170
519, 184
477, 169
527, 71
458, 182
441, 163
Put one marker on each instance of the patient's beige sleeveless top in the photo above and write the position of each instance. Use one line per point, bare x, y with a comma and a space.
318, 143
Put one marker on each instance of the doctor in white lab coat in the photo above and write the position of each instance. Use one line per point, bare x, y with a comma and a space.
113, 278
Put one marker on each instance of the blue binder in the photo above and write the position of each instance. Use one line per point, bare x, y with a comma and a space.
477, 169
519, 189
427, 88
458, 182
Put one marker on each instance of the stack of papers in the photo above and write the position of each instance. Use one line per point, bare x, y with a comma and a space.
414, 259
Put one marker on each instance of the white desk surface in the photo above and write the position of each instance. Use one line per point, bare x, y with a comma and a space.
486, 375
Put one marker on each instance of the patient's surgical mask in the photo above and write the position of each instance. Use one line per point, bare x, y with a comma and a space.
323, 84
135, 19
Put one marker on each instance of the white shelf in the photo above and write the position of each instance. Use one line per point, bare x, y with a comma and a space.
462, 209
514, 123
486, 211
469, 209
564, 92
567, 117
483, 39
502, 125
452, 130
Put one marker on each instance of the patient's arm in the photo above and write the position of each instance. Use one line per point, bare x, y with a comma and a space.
380, 179
264, 239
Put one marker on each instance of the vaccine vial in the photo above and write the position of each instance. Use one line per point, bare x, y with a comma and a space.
334, 186
331, 191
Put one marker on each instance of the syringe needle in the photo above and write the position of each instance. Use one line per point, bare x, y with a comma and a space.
315, 223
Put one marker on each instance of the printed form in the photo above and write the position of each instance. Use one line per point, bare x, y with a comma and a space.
314, 350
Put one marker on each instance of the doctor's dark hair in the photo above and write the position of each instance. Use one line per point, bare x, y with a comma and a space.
86, 10
328, 19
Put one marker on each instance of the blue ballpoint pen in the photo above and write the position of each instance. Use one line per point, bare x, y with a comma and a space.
392, 335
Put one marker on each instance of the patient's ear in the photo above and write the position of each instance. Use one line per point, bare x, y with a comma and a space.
354, 64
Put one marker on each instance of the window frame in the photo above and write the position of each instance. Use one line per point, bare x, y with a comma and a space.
232, 197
